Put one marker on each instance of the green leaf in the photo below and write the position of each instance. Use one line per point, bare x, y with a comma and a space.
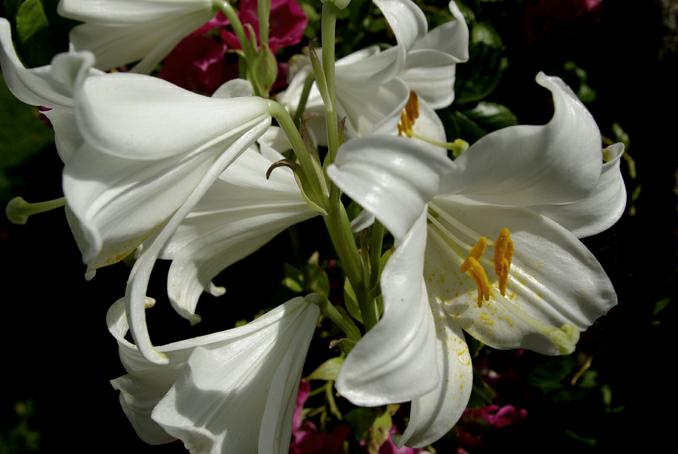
328, 370
360, 420
484, 33
491, 116
460, 126
479, 77
293, 279
30, 19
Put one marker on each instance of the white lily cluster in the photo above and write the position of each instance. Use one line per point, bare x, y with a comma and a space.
486, 243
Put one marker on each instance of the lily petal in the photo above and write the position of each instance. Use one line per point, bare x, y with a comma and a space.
240, 213
601, 209
387, 363
406, 19
450, 38
431, 74
391, 177
556, 287
533, 165
433, 415
49, 86
121, 32
140, 274
285, 331
238, 395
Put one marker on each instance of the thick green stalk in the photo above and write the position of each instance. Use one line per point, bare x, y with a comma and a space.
311, 168
263, 12
329, 22
346, 325
376, 241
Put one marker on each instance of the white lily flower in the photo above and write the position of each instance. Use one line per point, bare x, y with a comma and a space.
536, 288
119, 32
151, 151
47, 86
241, 212
231, 391
372, 85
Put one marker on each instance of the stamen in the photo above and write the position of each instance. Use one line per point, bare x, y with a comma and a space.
473, 268
503, 253
409, 116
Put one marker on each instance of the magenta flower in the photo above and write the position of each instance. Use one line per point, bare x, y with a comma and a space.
201, 62
496, 416
390, 448
306, 439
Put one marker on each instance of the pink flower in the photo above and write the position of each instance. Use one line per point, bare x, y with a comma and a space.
306, 439
390, 448
496, 416
201, 62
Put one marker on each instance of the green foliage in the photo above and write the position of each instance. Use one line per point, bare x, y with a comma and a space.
30, 19
20, 438
328, 371
22, 135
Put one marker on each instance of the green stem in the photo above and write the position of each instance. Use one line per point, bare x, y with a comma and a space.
341, 235
263, 12
376, 242
305, 92
309, 166
345, 324
328, 30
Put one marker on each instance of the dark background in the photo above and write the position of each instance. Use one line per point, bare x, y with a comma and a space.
57, 354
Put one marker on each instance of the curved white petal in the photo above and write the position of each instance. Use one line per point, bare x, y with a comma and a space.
67, 137
391, 177
234, 88
145, 118
288, 326
140, 274
49, 86
433, 415
556, 287
406, 19
368, 107
370, 66
117, 44
387, 363
431, 74
127, 11
601, 209
450, 38
234, 219
532, 165
237, 396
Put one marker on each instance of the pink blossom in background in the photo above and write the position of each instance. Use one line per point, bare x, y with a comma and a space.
201, 63
496, 416
390, 448
306, 439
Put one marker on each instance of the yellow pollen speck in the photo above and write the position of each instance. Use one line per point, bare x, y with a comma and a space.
409, 116
503, 253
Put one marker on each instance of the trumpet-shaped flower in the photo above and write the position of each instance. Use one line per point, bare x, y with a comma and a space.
151, 151
119, 32
373, 85
535, 286
241, 212
231, 391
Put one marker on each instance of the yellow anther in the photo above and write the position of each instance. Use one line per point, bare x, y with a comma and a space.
409, 116
503, 253
473, 268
